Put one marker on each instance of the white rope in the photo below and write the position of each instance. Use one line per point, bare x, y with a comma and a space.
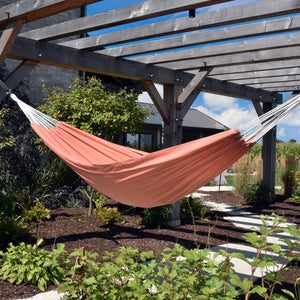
257, 128
251, 132
34, 115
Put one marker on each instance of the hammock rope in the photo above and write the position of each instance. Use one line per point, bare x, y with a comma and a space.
144, 179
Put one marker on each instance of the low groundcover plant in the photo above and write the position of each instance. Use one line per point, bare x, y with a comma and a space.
130, 274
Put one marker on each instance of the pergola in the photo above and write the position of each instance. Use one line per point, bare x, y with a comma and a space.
249, 51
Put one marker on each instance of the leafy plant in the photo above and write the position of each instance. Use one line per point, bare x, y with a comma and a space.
179, 273
296, 295
12, 228
105, 214
25, 263
192, 207
156, 217
252, 193
89, 107
37, 213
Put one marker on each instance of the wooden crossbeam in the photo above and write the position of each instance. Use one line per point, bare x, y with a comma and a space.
187, 97
251, 57
272, 42
8, 37
193, 85
267, 80
157, 99
237, 14
46, 53
124, 15
261, 66
258, 108
16, 76
281, 86
239, 77
30, 10
265, 27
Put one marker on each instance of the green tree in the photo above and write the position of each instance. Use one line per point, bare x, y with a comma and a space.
89, 107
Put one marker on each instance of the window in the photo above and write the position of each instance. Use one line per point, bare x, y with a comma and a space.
141, 141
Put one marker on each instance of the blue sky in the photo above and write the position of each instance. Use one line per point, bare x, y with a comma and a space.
232, 112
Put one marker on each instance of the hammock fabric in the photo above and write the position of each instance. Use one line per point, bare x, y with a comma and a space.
135, 177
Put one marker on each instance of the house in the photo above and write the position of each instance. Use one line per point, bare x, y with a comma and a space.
195, 125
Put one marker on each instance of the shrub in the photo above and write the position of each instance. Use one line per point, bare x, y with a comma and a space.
12, 228
26, 264
37, 213
289, 167
156, 217
104, 213
191, 207
252, 193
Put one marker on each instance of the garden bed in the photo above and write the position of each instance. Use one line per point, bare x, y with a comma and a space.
72, 227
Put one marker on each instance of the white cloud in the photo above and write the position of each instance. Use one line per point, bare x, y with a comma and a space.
227, 110
219, 102
281, 132
293, 119
144, 97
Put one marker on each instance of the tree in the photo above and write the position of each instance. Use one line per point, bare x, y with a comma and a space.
87, 106
292, 141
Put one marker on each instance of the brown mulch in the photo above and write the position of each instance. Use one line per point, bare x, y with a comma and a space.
72, 227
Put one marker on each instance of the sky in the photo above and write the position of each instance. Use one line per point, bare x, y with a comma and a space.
232, 112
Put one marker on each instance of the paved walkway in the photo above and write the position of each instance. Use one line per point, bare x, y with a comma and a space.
241, 219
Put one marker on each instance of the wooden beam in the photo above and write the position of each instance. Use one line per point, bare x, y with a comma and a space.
272, 42
282, 89
8, 37
128, 14
157, 99
261, 66
225, 88
187, 97
222, 17
192, 86
239, 77
267, 80
15, 77
258, 108
236, 59
276, 85
203, 37
30, 10
46, 53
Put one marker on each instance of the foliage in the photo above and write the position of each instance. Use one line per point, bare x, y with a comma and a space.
105, 214
289, 167
6, 140
296, 193
296, 295
252, 193
192, 207
179, 273
87, 106
12, 228
19, 158
37, 213
156, 217
247, 179
26, 264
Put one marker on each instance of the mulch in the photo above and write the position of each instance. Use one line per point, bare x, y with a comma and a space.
72, 227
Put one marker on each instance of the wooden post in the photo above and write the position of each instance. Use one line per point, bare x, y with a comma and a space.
172, 134
269, 159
